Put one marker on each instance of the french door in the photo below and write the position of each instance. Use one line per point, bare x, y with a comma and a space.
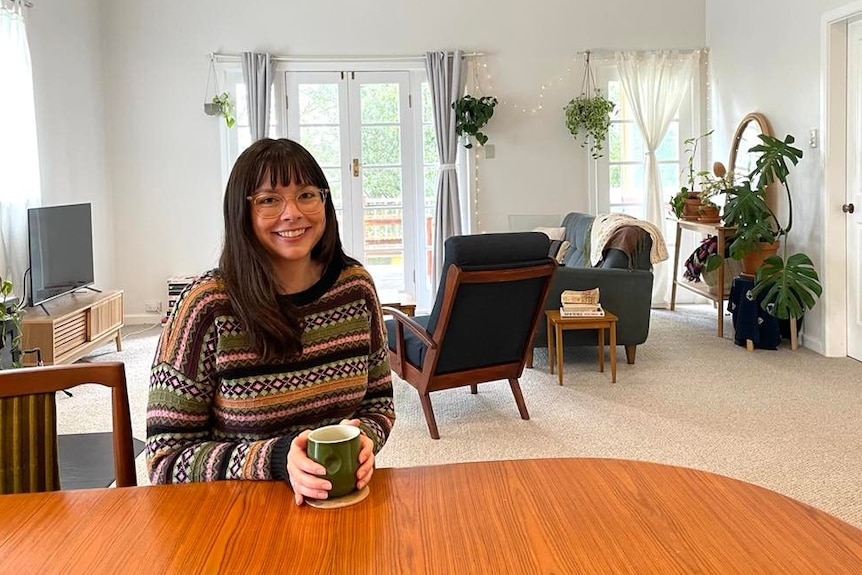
361, 128
854, 189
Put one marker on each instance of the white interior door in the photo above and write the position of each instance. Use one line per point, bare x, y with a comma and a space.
359, 127
854, 189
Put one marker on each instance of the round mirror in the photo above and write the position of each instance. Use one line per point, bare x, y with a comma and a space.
741, 160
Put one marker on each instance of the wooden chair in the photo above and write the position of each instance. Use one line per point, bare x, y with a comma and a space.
489, 301
28, 430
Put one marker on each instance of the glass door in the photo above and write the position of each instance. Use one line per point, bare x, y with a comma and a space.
359, 126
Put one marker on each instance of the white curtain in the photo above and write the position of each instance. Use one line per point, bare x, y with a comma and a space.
655, 83
19, 156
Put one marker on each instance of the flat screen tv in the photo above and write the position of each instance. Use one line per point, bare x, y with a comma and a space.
61, 250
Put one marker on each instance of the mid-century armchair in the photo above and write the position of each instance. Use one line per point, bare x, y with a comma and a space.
488, 303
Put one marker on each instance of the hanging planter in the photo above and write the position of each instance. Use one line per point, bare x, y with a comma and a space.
219, 103
471, 115
588, 115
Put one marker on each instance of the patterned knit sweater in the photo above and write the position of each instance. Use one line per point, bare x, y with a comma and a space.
216, 411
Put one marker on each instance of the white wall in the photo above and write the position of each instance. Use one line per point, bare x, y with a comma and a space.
66, 49
147, 63
775, 69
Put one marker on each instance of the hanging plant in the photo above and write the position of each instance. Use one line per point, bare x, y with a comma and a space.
219, 104
471, 115
224, 107
589, 115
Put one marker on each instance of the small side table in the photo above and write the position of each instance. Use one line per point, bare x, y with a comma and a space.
557, 325
406, 308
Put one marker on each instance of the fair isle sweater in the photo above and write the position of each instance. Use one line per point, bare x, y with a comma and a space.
217, 411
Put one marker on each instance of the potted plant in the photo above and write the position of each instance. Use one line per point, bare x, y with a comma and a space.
471, 115
686, 202
790, 281
590, 115
11, 314
221, 105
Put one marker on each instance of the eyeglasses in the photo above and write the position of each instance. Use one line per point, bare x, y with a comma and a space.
270, 205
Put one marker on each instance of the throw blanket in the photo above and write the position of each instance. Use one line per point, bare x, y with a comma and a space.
604, 227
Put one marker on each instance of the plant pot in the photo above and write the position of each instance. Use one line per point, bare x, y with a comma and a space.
691, 207
752, 261
211, 108
709, 214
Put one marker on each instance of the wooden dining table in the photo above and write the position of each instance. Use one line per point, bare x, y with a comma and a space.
603, 516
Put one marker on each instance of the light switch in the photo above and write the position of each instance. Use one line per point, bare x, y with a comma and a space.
812, 138
490, 152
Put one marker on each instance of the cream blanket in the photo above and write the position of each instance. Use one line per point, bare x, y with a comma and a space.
604, 226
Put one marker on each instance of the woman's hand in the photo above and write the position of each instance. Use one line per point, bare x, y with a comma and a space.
303, 472
366, 456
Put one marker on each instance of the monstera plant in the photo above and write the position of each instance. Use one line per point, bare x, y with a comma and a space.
790, 282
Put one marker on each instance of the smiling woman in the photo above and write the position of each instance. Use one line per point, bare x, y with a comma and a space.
285, 336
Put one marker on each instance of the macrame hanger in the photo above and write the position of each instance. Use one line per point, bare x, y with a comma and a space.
212, 77
588, 83
211, 106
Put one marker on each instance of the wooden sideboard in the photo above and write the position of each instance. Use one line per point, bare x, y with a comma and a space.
71, 326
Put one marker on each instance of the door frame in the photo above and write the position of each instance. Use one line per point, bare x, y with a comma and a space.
833, 50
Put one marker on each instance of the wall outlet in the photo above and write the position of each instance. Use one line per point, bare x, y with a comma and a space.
490, 151
153, 306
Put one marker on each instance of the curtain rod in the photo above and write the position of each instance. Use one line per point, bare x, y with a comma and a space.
237, 57
607, 53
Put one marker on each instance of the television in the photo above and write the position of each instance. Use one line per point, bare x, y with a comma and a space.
61, 250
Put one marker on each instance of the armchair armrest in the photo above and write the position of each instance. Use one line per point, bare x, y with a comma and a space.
406, 321
402, 320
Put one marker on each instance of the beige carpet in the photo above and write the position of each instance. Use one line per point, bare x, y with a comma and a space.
788, 421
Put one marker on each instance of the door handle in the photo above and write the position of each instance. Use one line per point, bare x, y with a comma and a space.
355, 167
848, 208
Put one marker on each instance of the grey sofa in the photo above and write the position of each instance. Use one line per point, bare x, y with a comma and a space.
624, 281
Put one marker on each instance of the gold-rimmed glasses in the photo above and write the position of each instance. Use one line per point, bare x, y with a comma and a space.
270, 205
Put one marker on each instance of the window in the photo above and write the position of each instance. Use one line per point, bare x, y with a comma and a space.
619, 182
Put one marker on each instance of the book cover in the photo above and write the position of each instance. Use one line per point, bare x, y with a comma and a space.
570, 296
582, 313
581, 307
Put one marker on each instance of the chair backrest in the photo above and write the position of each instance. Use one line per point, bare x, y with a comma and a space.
488, 309
28, 432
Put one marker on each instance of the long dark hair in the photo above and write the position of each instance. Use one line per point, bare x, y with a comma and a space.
271, 321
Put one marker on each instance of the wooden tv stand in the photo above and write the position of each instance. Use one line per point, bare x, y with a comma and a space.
75, 325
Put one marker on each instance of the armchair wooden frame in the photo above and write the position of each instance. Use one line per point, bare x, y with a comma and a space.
424, 378
112, 374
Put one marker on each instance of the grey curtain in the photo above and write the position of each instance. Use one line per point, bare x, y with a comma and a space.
446, 78
257, 73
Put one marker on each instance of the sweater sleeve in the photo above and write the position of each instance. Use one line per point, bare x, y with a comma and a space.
376, 414
181, 447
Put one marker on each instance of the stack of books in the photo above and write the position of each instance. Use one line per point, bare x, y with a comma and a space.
581, 303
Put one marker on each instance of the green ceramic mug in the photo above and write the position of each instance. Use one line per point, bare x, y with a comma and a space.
336, 447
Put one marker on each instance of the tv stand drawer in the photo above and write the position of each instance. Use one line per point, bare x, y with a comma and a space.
74, 325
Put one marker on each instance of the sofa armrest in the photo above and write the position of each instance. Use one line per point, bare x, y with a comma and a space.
627, 294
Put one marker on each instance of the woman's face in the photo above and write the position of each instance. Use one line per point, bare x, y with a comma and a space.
288, 221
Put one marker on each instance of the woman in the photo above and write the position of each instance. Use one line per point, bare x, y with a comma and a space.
286, 335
